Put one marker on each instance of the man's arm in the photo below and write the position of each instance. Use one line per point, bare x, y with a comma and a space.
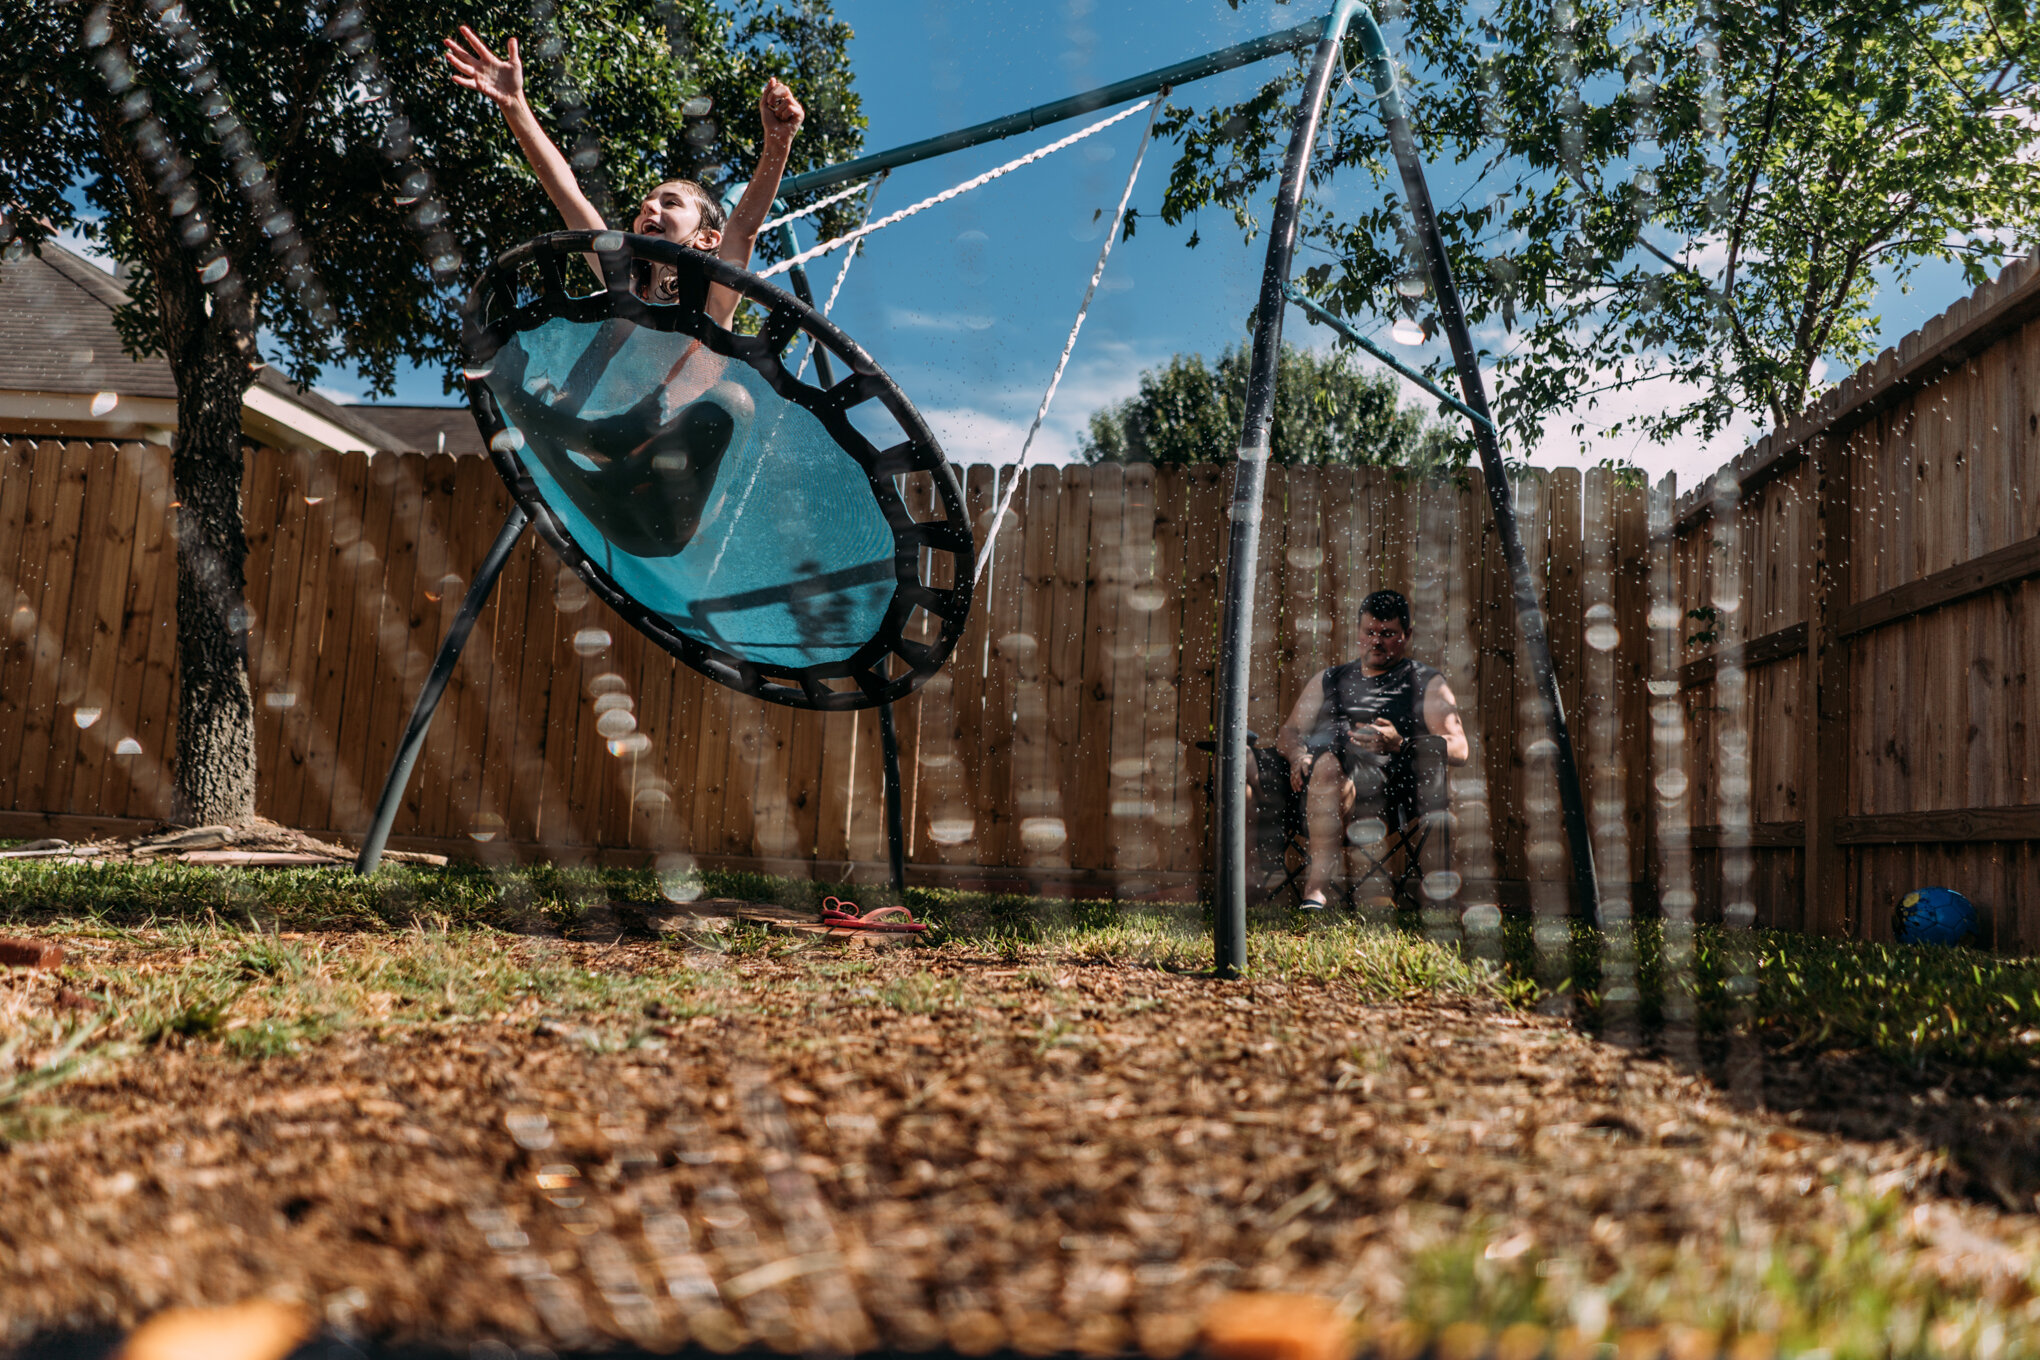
782, 116
1441, 718
1303, 719
477, 68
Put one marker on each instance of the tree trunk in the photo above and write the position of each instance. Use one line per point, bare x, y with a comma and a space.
215, 705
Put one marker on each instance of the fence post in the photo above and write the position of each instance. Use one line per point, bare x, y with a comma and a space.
1827, 695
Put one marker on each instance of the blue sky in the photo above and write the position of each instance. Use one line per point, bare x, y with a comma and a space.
968, 304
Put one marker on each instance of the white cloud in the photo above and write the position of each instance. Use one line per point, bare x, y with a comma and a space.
906, 319
77, 244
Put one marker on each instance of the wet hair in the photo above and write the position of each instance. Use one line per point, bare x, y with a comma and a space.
1388, 604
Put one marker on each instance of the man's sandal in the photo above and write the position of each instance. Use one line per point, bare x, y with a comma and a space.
843, 915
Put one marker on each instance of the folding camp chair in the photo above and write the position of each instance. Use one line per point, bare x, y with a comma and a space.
1414, 818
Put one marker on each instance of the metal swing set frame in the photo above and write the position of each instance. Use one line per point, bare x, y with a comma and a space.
1325, 37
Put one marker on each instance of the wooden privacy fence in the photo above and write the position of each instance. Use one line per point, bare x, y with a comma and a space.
1056, 748
1884, 554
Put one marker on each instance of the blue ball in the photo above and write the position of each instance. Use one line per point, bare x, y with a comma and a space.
1934, 916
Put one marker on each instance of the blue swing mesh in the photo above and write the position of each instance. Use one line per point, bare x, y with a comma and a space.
790, 563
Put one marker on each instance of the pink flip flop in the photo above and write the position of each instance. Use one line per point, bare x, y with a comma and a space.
844, 916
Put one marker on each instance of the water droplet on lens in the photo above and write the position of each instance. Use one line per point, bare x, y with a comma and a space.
1412, 286
610, 700
1671, 784
1306, 558
128, 747
487, 827
84, 717
608, 240
1043, 833
477, 374
630, 744
214, 271
1147, 599
652, 800
616, 723
590, 641
1441, 884
679, 879
102, 402
951, 830
697, 107
507, 440
531, 1129
279, 698
1367, 831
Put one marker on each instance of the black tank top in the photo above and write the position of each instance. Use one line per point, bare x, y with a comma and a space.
1397, 694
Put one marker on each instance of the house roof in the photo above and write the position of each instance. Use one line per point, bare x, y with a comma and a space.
57, 337
417, 429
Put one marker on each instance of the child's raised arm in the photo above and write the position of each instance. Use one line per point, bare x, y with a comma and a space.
476, 68
782, 115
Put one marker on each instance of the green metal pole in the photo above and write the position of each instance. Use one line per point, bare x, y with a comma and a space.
1250, 481
1501, 499
1338, 323
1104, 97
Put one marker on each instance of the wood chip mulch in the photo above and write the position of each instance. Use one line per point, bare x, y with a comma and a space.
929, 1149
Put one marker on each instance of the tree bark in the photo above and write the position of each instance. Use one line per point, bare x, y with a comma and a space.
215, 704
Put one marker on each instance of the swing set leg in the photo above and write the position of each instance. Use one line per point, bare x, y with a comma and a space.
435, 688
895, 832
888, 733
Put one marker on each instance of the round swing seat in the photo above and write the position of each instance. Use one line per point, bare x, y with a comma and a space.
804, 544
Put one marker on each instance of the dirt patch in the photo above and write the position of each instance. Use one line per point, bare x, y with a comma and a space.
932, 1147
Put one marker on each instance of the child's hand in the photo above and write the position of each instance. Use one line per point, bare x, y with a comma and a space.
780, 111
476, 68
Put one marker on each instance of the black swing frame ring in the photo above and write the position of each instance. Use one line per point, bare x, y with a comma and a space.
886, 668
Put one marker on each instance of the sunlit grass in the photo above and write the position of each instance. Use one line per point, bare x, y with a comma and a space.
1910, 1004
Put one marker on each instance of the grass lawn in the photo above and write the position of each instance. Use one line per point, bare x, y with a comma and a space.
449, 1105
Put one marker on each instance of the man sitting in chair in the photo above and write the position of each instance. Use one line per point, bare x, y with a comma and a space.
1369, 714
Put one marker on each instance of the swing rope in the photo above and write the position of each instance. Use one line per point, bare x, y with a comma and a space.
811, 209
836, 289
1061, 363
986, 178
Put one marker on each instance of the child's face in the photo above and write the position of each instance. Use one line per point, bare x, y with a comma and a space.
673, 214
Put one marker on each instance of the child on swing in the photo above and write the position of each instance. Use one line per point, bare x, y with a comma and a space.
679, 210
